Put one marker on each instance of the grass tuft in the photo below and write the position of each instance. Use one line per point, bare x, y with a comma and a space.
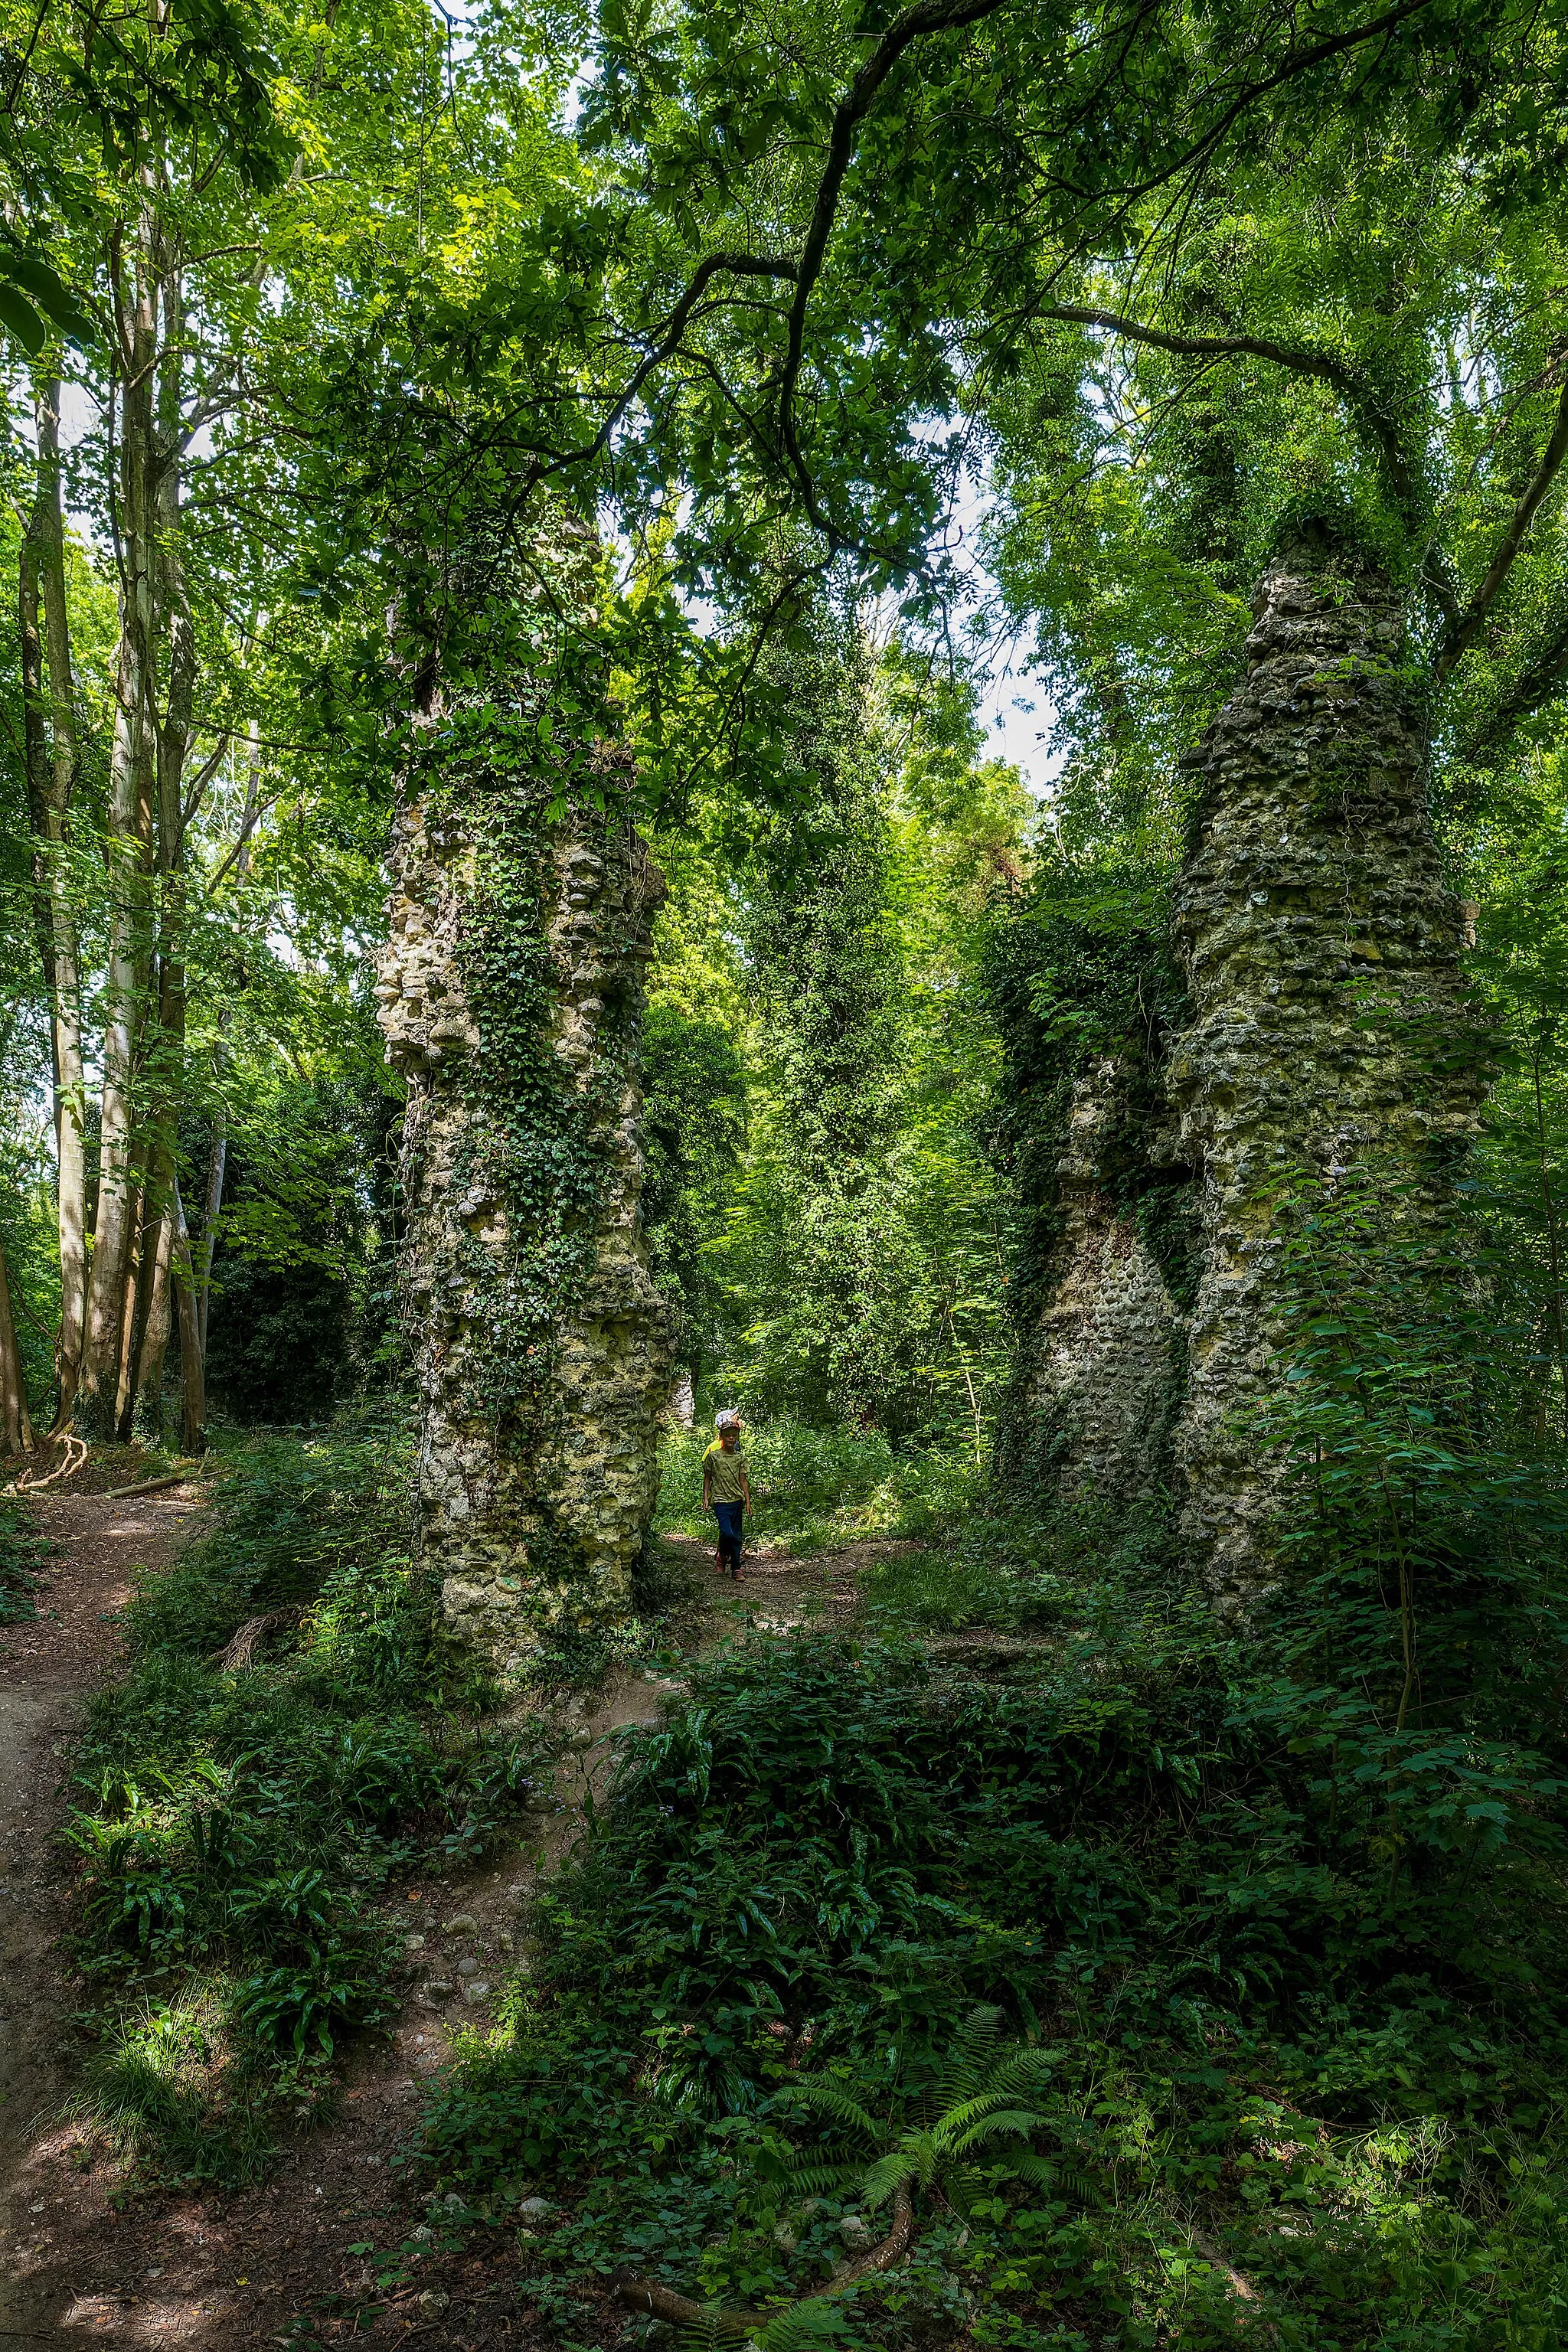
236, 1833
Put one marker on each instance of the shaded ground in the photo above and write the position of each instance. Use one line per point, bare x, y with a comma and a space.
47, 1668
78, 2259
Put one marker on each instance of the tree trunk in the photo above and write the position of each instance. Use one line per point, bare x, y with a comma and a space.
147, 1403
155, 682
51, 787
212, 1209
15, 1426
510, 993
130, 1317
1330, 1023
192, 1365
128, 849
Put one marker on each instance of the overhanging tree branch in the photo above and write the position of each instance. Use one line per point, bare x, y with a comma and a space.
1321, 53
934, 16
1536, 685
736, 265
1300, 359
916, 23
1462, 634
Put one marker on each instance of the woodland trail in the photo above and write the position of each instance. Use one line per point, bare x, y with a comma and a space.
52, 2220
80, 2261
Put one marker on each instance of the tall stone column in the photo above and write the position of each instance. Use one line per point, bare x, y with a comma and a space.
510, 993
1329, 1022
1101, 1380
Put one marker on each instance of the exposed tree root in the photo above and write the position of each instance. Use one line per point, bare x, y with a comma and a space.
241, 1651
663, 2302
151, 1485
1239, 2284
72, 1458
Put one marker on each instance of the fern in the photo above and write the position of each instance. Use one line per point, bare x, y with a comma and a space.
978, 2109
973, 2058
804, 2326
816, 2091
704, 2334
978, 2105
820, 2180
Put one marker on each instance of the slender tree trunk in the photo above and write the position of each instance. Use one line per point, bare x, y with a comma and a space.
51, 786
15, 1422
127, 849
192, 1366
1553, 1251
217, 1161
157, 667
217, 1164
147, 1408
136, 1286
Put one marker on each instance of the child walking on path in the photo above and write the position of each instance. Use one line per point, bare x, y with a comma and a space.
727, 1492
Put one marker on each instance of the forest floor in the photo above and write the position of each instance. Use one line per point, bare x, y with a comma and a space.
86, 2255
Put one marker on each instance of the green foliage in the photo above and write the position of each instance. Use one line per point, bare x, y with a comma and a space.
1082, 975
22, 1551
813, 1243
1291, 1987
694, 1124
1008, 1566
302, 1305
856, 1248
1423, 1620
27, 1239
233, 1830
976, 2101
813, 1486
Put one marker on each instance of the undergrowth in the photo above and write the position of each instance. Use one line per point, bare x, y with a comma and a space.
1270, 1915
234, 1830
1016, 1570
1261, 2053
813, 1488
22, 1553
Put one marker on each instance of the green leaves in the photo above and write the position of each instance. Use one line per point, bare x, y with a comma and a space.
33, 299
235, 1830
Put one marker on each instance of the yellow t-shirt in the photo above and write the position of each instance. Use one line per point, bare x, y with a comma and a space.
724, 1473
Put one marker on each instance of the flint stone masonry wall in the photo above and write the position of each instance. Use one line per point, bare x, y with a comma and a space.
538, 1467
1328, 1024
1104, 1376
1311, 897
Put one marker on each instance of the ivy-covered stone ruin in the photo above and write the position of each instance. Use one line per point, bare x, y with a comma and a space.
1293, 1009
510, 993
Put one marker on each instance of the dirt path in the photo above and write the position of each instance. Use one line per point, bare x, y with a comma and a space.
77, 2260
48, 1667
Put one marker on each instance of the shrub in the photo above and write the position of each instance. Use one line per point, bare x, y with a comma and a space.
234, 1830
817, 1486
1258, 2056
22, 1553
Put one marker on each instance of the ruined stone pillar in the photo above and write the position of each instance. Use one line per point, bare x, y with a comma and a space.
1102, 1378
510, 993
1329, 1023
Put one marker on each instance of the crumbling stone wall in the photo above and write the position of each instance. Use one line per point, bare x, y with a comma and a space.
1322, 1023
1329, 1022
1103, 1372
511, 989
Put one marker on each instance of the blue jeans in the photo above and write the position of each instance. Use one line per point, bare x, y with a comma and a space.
730, 1517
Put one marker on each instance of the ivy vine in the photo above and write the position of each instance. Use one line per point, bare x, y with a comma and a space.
536, 1142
